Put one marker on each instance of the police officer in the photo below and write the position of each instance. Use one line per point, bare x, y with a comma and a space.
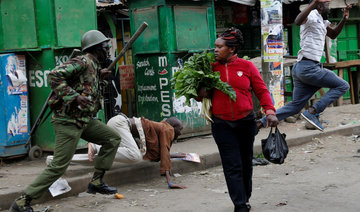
78, 88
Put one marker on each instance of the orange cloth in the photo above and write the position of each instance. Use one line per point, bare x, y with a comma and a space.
159, 136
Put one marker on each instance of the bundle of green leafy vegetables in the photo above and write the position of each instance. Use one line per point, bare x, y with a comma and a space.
197, 71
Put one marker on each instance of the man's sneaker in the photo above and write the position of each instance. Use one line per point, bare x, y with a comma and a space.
22, 204
312, 119
103, 188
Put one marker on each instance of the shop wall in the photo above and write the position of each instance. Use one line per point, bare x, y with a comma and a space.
245, 18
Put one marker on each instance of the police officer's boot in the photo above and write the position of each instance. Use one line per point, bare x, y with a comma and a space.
98, 186
22, 204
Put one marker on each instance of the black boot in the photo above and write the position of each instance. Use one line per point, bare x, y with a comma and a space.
22, 204
98, 186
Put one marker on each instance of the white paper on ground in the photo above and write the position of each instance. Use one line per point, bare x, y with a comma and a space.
60, 186
193, 157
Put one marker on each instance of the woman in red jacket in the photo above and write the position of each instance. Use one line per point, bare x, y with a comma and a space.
234, 126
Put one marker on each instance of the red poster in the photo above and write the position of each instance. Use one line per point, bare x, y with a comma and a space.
127, 77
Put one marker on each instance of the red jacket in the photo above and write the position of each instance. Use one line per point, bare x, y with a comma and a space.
243, 76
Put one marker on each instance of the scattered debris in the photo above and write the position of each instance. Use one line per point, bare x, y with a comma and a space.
60, 186
155, 192
349, 123
84, 194
46, 209
291, 119
150, 190
304, 168
319, 147
326, 122
308, 151
282, 204
309, 126
204, 173
119, 196
133, 203
317, 140
259, 161
219, 191
358, 154
355, 138
177, 175
328, 187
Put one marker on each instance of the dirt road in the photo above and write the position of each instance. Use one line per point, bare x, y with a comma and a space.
322, 175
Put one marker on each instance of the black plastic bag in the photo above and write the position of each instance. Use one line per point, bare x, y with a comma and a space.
274, 147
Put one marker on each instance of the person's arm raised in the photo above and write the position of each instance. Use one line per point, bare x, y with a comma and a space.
302, 17
334, 32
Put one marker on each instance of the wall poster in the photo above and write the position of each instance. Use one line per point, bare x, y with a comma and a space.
273, 47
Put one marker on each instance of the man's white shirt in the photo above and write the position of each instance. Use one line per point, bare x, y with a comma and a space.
312, 37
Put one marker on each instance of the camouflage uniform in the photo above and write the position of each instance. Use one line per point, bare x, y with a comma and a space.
79, 76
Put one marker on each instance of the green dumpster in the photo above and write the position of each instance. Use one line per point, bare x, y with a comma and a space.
171, 37
46, 32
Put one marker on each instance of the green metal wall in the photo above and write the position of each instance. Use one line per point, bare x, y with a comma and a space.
73, 19
176, 30
347, 43
45, 24
190, 34
18, 25
347, 48
46, 32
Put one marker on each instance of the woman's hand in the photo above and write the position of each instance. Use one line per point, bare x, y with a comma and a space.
202, 93
271, 120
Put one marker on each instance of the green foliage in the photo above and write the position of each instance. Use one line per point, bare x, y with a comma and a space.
246, 57
260, 155
197, 72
